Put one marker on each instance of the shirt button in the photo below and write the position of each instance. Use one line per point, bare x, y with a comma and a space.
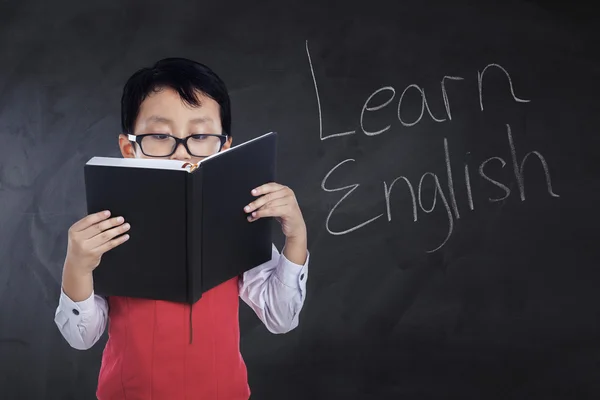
302, 277
76, 312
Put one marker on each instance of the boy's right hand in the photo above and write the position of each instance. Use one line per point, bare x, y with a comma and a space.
91, 237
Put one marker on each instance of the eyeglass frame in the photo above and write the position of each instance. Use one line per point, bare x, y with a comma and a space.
138, 139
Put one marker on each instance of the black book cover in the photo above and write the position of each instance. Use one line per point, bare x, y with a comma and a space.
189, 232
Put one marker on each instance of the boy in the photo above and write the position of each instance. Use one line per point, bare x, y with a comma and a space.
179, 109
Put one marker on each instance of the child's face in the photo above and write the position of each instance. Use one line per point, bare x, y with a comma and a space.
164, 112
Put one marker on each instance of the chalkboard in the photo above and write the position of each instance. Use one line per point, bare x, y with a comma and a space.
444, 154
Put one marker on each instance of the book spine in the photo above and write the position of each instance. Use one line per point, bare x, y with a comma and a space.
199, 229
190, 239
194, 223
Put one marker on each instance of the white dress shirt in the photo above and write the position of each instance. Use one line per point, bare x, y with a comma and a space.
275, 291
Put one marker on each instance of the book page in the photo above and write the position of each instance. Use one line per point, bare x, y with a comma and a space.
138, 163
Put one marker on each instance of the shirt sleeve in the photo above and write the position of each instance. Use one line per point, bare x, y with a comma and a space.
276, 291
81, 323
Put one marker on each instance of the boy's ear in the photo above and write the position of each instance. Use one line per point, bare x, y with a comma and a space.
127, 148
227, 143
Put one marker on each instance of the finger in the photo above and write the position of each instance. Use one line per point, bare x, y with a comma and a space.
107, 235
277, 208
267, 198
90, 220
276, 211
267, 188
102, 226
111, 244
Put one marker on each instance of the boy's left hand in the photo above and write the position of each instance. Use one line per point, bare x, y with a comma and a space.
278, 201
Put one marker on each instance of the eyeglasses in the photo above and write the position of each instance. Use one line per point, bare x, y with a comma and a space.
163, 145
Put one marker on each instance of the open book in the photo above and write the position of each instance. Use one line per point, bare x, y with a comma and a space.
189, 232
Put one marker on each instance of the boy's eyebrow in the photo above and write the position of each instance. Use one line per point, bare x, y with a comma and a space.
159, 119
200, 120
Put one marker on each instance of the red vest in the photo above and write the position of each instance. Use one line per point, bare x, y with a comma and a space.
161, 350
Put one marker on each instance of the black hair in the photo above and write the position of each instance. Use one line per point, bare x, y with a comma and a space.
185, 76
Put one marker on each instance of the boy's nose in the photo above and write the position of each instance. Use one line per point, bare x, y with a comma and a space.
181, 154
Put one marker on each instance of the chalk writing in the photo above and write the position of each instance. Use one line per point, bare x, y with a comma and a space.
450, 180
494, 182
423, 106
388, 193
480, 84
440, 192
414, 86
375, 108
468, 183
519, 169
449, 201
319, 103
445, 95
417, 199
352, 188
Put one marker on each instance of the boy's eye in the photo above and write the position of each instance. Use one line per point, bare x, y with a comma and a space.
160, 137
199, 137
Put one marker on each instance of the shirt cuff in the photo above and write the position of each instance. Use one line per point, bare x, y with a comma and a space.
291, 274
76, 309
